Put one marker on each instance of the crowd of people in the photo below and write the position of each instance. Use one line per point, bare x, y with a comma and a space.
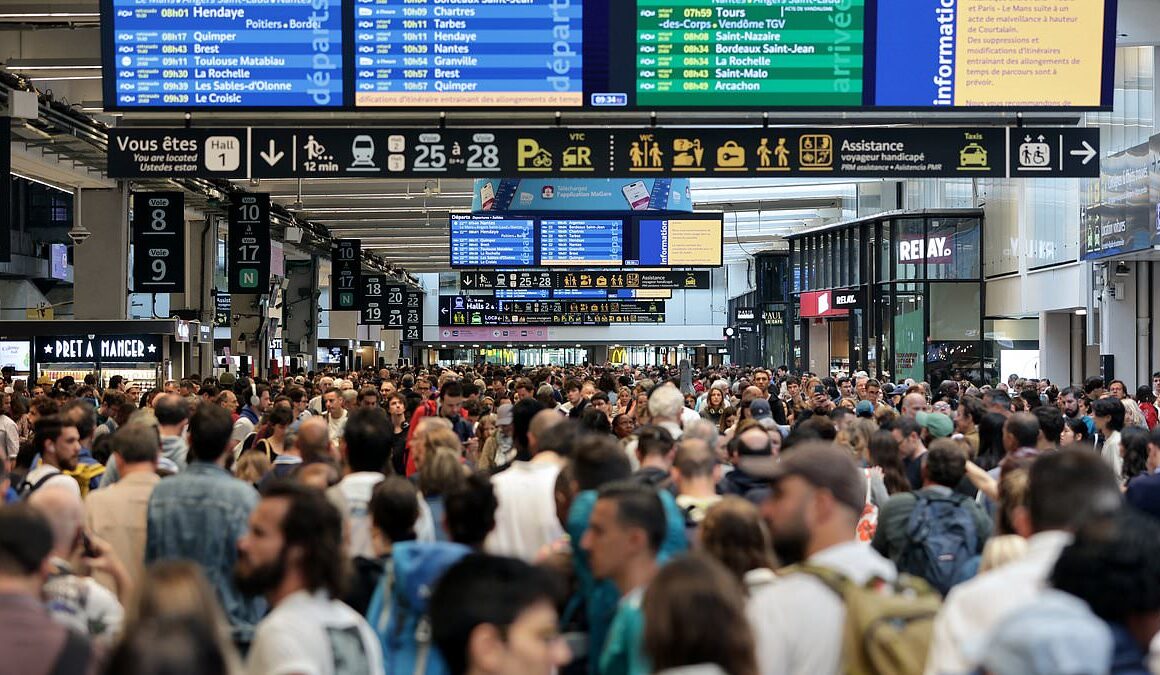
584, 519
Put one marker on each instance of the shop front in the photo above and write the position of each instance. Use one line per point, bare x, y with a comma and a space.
899, 295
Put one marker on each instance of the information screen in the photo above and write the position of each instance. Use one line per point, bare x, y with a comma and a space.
581, 242
486, 242
685, 240
453, 54
719, 53
561, 55
223, 54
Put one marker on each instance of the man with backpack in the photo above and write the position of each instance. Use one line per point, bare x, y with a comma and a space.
831, 613
935, 533
1066, 489
58, 444
292, 555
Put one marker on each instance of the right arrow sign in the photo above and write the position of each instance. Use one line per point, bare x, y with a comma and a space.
1053, 152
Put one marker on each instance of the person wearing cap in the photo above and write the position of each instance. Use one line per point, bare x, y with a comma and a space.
818, 494
499, 449
864, 409
1066, 489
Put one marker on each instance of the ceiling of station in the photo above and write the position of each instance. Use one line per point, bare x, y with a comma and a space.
55, 44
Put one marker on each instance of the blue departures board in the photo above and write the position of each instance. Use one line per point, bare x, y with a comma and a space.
484, 242
582, 242
225, 53
464, 53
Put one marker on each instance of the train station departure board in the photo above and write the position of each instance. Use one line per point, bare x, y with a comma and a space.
657, 241
561, 55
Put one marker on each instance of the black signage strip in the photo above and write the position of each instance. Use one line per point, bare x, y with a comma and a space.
458, 310
849, 299
346, 270
372, 300
221, 309
608, 279
99, 349
6, 189
413, 316
249, 244
845, 152
158, 242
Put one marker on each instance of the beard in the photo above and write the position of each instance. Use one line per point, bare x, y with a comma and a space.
259, 579
791, 540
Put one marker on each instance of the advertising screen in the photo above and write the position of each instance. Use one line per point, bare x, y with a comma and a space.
682, 240
560, 55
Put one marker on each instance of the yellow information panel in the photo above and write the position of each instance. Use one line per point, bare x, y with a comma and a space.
1029, 53
694, 243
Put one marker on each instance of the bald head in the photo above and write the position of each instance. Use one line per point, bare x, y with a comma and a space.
749, 394
65, 512
541, 422
313, 439
912, 404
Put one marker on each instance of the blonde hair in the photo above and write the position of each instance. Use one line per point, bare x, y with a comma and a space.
441, 472
180, 589
1001, 550
856, 437
252, 466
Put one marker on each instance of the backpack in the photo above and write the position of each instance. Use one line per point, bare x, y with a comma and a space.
888, 626
398, 607
27, 488
941, 541
85, 474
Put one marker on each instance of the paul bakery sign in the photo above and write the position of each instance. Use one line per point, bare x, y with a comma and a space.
99, 349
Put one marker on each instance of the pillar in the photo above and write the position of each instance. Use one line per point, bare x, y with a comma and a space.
101, 262
300, 311
1055, 347
197, 301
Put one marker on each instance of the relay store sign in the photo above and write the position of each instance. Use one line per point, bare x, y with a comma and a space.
820, 304
99, 349
933, 250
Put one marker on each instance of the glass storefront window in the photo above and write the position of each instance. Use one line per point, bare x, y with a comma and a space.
909, 332
954, 311
910, 248
953, 248
885, 269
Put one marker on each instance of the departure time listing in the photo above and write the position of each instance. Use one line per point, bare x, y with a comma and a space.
468, 53
724, 53
227, 53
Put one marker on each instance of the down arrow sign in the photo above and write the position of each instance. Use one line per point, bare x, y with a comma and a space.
274, 155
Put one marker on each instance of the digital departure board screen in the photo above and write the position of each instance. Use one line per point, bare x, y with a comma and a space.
515, 241
487, 242
223, 54
568, 55
469, 54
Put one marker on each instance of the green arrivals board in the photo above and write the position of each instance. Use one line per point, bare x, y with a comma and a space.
725, 53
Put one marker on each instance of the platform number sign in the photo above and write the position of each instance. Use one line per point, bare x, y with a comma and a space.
345, 277
158, 242
373, 299
413, 316
395, 306
249, 244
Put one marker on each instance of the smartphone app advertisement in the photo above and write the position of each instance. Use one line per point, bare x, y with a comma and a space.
581, 194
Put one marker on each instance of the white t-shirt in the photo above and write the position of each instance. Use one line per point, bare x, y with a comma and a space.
59, 479
352, 496
310, 634
525, 520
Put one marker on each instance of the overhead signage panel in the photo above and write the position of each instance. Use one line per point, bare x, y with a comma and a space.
655, 155
249, 244
574, 55
413, 316
159, 54
560, 195
345, 279
372, 300
158, 242
177, 153
459, 310
587, 279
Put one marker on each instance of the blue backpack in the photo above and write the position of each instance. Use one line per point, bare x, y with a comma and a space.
942, 541
398, 606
